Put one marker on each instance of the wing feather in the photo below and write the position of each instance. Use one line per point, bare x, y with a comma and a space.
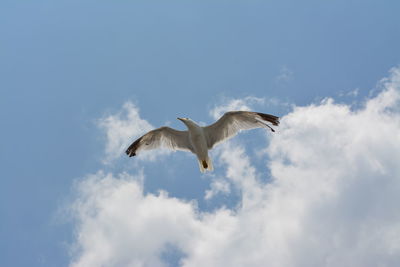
234, 121
161, 137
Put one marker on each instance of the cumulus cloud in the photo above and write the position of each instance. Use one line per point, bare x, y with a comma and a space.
332, 199
246, 104
236, 104
120, 226
217, 186
121, 129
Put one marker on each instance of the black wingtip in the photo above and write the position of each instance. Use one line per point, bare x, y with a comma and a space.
130, 154
131, 151
270, 118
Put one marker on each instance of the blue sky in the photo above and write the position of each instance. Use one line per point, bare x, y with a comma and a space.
67, 65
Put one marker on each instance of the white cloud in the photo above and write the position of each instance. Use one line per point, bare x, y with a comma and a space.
340, 167
285, 75
122, 129
218, 186
120, 226
247, 103
236, 104
333, 199
351, 93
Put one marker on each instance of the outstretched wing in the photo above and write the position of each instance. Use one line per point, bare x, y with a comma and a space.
161, 137
234, 121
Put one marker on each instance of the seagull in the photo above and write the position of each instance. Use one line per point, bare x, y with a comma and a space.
198, 139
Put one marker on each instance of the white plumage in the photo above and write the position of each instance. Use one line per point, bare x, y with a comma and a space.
198, 139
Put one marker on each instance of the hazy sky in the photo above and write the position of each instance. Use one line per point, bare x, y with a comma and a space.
80, 80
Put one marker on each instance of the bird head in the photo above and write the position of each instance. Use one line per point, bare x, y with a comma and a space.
188, 122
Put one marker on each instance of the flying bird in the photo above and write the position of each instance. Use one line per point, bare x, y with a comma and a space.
199, 140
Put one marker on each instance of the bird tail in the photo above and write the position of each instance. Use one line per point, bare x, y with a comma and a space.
206, 164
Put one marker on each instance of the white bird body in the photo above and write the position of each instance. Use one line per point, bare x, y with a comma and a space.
198, 139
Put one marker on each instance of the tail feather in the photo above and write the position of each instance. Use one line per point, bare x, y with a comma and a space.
206, 164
